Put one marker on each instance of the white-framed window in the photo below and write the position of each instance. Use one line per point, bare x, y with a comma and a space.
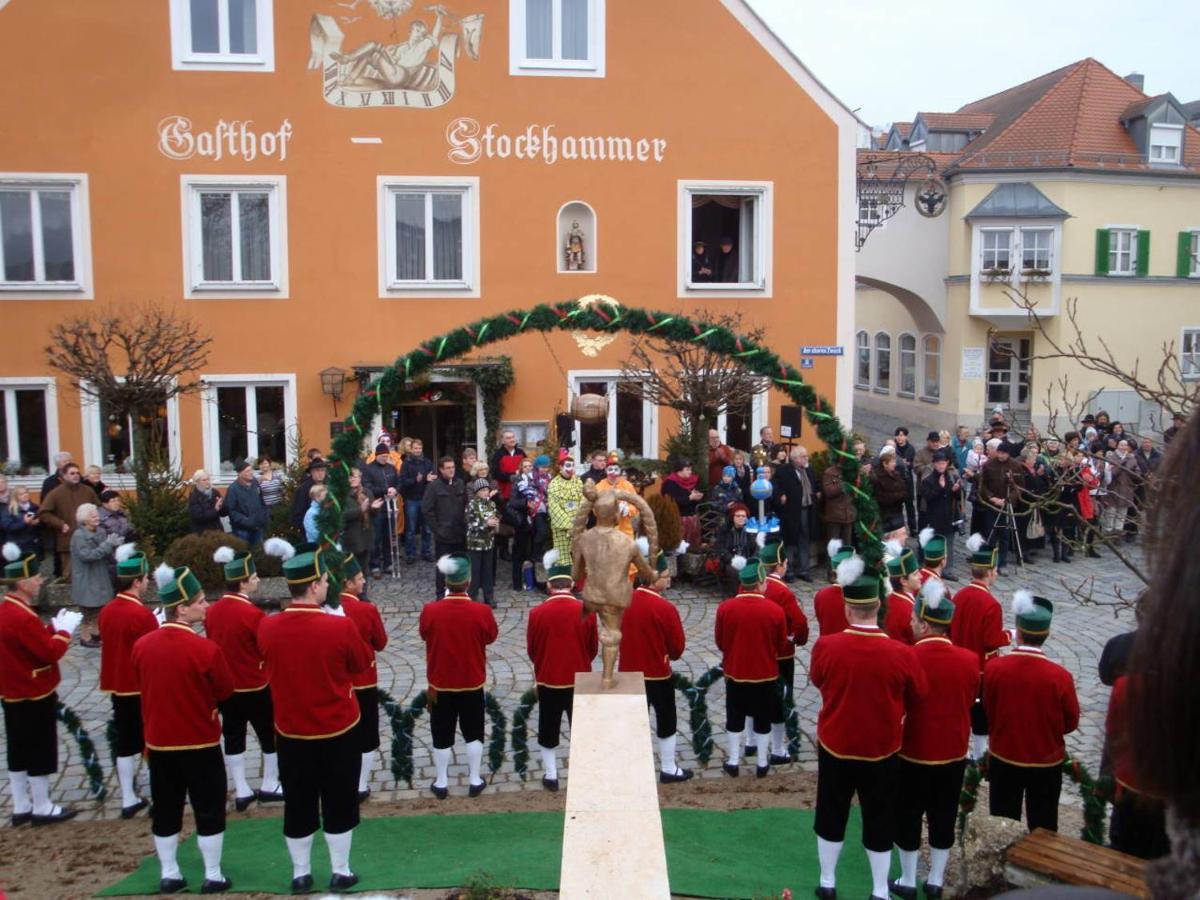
247, 417
862, 360
108, 437
725, 238
997, 249
631, 424
1122, 251
1166, 145
1189, 354
883, 362
428, 237
557, 37
223, 35
1194, 255
235, 236
529, 434
931, 351
908, 365
45, 236
28, 426
1036, 244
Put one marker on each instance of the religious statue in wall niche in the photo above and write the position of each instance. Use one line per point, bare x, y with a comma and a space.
573, 249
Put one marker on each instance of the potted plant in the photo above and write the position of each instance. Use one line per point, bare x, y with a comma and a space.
997, 273
1036, 274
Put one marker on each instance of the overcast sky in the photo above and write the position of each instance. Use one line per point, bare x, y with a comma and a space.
893, 59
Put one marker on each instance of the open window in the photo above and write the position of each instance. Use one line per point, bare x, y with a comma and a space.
727, 235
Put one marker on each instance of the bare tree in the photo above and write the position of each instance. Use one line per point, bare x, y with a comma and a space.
131, 361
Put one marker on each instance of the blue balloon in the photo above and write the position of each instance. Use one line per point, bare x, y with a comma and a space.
761, 489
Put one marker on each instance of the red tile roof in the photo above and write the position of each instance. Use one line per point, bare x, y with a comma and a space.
904, 129
958, 121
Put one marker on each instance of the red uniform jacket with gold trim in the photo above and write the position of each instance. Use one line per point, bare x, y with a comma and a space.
978, 622
311, 658
1030, 704
1116, 729
456, 631
29, 652
797, 623
561, 640
181, 676
867, 682
898, 621
233, 623
829, 604
750, 629
926, 574
123, 620
366, 618
651, 635
937, 728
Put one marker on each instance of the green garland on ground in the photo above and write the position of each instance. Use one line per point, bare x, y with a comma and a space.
520, 731
695, 692
403, 721
499, 726
87, 750
969, 795
791, 720
1096, 794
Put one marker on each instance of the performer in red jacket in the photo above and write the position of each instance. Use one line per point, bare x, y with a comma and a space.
366, 618
182, 677
123, 620
979, 626
937, 732
233, 623
867, 683
312, 655
905, 582
933, 555
560, 641
775, 589
29, 655
1031, 705
1139, 824
749, 631
456, 632
829, 604
652, 636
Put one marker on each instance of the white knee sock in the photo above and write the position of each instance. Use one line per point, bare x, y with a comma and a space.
237, 769
908, 867
270, 773
734, 743
828, 853
126, 765
339, 852
550, 763
300, 850
210, 850
441, 759
881, 861
762, 744
666, 755
474, 758
39, 787
364, 771
979, 745
779, 739
167, 848
937, 866
18, 786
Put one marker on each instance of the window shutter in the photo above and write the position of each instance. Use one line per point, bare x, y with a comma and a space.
1101, 251
1183, 258
1143, 253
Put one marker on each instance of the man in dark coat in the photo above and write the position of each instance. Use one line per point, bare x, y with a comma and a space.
383, 481
796, 496
244, 505
302, 498
941, 491
1000, 482
445, 509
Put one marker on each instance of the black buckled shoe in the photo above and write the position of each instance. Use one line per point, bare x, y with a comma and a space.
302, 884
440, 792
730, 769
342, 882
128, 812
824, 893
20, 819
905, 893
275, 796
64, 813
676, 777
474, 790
550, 784
761, 771
363, 795
215, 887
241, 804
933, 891
781, 759
172, 885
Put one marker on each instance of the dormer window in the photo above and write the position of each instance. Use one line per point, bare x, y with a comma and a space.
1166, 143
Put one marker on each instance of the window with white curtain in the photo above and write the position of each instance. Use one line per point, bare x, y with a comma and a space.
862, 367
1035, 248
997, 249
43, 234
430, 235
908, 365
556, 37
231, 35
732, 220
236, 235
883, 362
1189, 354
931, 350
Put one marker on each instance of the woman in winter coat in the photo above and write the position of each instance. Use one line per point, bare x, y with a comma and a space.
682, 486
1033, 496
1122, 477
357, 534
1088, 500
733, 540
837, 511
204, 504
91, 584
891, 490
21, 523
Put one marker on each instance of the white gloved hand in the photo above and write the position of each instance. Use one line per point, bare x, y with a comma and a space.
623, 509
66, 620
335, 611
161, 615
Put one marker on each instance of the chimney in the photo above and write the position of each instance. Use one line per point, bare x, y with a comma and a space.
1137, 79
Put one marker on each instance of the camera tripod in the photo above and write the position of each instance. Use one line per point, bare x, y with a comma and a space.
1007, 520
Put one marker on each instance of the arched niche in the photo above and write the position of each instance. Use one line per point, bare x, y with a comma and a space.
576, 211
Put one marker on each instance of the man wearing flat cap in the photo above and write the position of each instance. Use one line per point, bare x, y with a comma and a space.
245, 506
1000, 482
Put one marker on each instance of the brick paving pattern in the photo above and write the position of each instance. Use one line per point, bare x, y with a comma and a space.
1080, 632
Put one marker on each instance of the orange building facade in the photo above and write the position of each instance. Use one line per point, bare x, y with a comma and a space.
322, 185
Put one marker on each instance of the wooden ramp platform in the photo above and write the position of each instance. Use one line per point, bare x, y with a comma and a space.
1045, 857
612, 834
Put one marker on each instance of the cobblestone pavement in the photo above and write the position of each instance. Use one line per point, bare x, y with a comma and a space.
1079, 634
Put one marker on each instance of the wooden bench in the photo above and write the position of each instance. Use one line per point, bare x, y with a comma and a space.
1045, 857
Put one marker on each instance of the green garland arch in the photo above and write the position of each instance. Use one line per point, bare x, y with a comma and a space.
602, 314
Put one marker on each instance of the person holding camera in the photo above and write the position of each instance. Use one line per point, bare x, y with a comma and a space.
1000, 482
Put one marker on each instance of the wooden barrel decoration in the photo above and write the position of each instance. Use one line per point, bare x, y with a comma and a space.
590, 408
